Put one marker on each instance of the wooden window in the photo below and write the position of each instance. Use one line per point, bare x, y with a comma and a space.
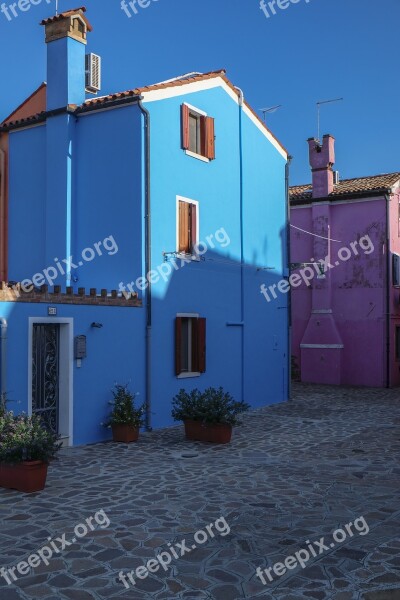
190, 345
187, 227
198, 133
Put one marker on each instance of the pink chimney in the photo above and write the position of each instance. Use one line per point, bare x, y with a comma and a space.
322, 159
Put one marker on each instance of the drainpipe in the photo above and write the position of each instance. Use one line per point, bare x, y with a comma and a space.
388, 289
288, 261
147, 190
3, 350
241, 102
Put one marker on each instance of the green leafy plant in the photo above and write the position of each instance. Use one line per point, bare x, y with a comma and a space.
123, 410
212, 406
24, 438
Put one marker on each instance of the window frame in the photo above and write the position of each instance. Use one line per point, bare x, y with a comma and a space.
193, 110
192, 254
201, 345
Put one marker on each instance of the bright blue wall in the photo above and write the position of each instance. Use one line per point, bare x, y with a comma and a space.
81, 184
107, 196
27, 191
107, 200
265, 245
114, 354
65, 73
61, 147
213, 287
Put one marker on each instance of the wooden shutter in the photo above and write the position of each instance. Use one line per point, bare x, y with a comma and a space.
193, 226
201, 345
178, 345
185, 126
210, 138
184, 227
201, 341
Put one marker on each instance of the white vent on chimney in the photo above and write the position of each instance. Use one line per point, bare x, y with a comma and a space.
93, 73
336, 177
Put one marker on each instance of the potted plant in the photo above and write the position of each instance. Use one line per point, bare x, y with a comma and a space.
207, 416
26, 448
125, 419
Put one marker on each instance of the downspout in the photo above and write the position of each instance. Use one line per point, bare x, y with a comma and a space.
288, 261
241, 102
147, 193
3, 350
388, 289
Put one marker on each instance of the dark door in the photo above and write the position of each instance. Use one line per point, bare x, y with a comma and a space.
45, 374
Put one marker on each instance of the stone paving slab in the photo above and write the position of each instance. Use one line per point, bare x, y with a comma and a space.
294, 473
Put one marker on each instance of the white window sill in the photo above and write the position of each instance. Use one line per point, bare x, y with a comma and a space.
198, 156
187, 375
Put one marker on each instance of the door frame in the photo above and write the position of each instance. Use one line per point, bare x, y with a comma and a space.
66, 363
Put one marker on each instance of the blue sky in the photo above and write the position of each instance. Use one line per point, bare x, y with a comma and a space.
311, 51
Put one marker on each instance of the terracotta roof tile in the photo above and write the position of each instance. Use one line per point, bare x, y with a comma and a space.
8, 119
68, 13
346, 187
180, 82
100, 101
150, 88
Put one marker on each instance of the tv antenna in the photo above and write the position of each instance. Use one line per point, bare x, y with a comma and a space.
319, 111
56, 7
270, 110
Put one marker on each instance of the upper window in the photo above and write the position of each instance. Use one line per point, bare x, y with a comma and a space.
198, 136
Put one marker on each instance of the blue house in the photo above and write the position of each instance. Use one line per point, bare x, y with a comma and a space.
141, 227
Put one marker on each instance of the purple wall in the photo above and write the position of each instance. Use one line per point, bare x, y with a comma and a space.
339, 322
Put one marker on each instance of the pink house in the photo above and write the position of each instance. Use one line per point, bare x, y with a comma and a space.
345, 244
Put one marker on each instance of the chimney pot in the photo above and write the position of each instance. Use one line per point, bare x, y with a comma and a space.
322, 159
66, 44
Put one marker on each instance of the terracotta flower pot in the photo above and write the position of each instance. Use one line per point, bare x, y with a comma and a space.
28, 476
217, 433
125, 433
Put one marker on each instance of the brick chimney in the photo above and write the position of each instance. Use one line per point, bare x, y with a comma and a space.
322, 159
66, 40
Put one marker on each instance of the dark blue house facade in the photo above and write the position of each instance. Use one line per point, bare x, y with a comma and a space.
141, 227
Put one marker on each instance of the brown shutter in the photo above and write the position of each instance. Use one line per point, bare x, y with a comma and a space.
193, 226
185, 126
184, 227
201, 345
210, 138
178, 345
203, 136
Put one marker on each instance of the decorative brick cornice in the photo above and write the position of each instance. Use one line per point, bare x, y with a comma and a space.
12, 292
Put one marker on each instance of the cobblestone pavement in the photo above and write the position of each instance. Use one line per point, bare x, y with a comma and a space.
294, 472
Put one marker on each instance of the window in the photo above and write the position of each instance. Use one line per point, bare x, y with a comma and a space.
188, 227
397, 342
396, 269
198, 135
190, 345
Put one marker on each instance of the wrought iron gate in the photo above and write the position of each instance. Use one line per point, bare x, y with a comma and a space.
45, 374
